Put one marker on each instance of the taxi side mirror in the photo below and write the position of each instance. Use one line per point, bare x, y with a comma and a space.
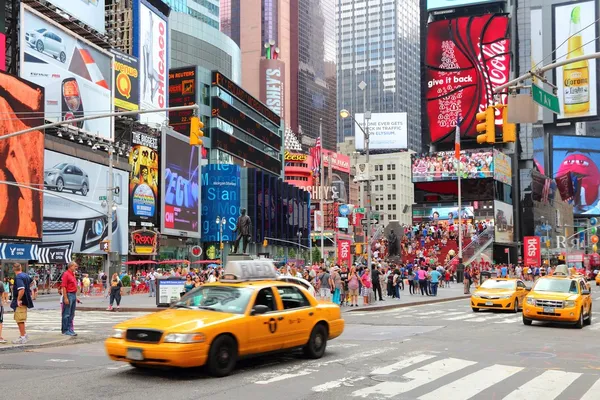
259, 309
585, 292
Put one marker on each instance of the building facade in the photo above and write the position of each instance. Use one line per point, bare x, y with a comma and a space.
378, 43
206, 11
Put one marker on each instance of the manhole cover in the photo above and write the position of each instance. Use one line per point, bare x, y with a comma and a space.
389, 378
535, 354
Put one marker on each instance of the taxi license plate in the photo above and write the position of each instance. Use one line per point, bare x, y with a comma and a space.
549, 310
489, 303
135, 354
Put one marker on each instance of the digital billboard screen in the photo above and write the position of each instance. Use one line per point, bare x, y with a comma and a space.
144, 179
578, 158
127, 82
182, 92
90, 12
180, 187
576, 82
503, 222
21, 158
78, 219
447, 4
443, 166
386, 131
151, 43
466, 59
77, 75
447, 214
220, 199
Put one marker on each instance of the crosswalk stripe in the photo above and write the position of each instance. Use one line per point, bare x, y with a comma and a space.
285, 376
468, 386
461, 317
546, 386
336, 384
593, 327
404, 363
418, 377
592, 394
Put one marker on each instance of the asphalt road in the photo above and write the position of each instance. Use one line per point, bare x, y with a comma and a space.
438, 351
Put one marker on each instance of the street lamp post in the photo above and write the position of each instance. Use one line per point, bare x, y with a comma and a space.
221, 223
299, 234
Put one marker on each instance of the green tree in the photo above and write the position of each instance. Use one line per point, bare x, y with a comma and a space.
316, 254
292, 253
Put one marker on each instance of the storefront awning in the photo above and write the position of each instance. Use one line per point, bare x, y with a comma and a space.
174, 262
140, 262
207, 262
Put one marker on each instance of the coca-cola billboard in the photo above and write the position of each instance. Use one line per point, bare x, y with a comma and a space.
466, 59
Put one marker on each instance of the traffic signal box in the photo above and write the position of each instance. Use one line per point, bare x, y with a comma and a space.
196, 133
487, 126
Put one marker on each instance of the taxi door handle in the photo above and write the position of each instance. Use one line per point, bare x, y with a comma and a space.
310, 314
280, 319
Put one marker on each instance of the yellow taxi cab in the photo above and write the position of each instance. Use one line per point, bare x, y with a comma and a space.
499, 294
560, 298
597, 279
248, 312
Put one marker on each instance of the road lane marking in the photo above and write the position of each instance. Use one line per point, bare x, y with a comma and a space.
592, 394
336, 384
461, 317
285, 376
418, 377
59, 360
403, 363
546, 386
470, 385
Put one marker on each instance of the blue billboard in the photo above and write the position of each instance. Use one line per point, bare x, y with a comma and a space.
220, 198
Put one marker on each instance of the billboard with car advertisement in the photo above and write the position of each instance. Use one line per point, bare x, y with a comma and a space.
446, 4
442, 166
576, 24
127, 82
76, 218
143, 179
90, 12
21, 158
503, 222
77, 75
578, 157
180, 204
151, 42
466, 58
386, 131
182, 92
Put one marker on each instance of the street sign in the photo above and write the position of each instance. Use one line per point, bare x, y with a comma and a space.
365, 222
102, 198
545, 99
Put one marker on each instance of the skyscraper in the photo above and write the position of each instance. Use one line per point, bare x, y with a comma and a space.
378, 43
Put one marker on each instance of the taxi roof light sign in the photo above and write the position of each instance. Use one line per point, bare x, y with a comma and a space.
249, 270
561, 270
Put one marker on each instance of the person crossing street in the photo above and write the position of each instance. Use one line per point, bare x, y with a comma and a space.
69, 292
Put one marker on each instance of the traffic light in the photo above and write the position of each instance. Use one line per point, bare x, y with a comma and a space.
509, 131
265, 243
358, 250
196, 133
487, 126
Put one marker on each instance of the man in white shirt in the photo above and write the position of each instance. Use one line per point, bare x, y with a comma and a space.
152, 282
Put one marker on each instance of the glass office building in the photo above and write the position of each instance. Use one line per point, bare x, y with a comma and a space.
206, 11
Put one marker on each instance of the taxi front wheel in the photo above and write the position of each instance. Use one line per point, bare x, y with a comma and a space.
579, 323
315, 348
222, 356
527, 321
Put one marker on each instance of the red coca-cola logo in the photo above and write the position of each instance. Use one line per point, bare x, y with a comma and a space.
466, 59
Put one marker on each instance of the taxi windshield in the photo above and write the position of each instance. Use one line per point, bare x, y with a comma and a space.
227, 299
556, 285
497, 284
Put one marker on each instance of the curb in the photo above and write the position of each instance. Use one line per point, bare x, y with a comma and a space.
55, 343
122, 309
402, 305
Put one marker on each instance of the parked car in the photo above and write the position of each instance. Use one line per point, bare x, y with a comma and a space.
67, 176
48, 42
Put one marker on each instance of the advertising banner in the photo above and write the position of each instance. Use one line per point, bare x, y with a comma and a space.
220, 199
144, 242
21, 158
579, 156
443, 166
272, 79
181, 186
386, 131
344, 253
576, 82
182, 92
466, 59
18, 251
502, 167
152, 51
143, 179
442, 214
78, 219
338, 162
77, 75
90, 12
445, 4
537, 50
127, 82
503, 222
532, 251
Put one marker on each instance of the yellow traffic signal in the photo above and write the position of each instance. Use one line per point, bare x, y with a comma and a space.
196, 133
509, 131
487, 126
265, 243
358, 250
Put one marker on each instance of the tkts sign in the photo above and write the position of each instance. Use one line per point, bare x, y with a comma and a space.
344, 253
143, 242
466, 59
532, 251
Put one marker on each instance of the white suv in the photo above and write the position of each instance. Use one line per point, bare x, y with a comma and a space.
45, 41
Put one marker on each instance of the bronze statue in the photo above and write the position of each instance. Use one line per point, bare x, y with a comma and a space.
243, 228
392, 244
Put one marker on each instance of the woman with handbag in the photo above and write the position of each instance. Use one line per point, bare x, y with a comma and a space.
366, 286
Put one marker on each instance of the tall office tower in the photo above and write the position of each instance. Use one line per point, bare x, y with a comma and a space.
378, 43
206, 11
301, 34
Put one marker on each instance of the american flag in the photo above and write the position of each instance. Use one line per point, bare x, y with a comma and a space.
316, 153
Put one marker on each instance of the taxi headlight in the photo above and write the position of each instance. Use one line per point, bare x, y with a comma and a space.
118, 333
531, 301
569, 303
185, 338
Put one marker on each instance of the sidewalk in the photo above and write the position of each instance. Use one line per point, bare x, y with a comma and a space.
36, 340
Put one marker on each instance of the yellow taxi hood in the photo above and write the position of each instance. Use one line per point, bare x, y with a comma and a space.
494, 291
178, 320
550, 295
